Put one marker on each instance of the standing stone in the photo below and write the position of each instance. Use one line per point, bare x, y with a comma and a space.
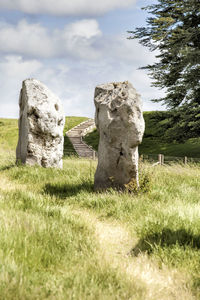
120, 123
41, 126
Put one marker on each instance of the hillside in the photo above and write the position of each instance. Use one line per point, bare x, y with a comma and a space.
9, 133
153, 140
71, 122
61, 240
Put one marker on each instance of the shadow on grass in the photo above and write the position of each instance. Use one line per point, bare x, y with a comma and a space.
166, 238
66, 190
68, 149
7, 167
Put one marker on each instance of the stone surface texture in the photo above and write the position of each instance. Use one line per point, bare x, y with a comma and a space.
41, 126
120, 123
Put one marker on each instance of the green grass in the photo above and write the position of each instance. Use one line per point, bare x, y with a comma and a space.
9, 134
46, 251
69, 124
153, 142
72, 122
58, 237
92, 139
190, 148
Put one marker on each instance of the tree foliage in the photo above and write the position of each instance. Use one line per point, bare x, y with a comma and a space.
173, 31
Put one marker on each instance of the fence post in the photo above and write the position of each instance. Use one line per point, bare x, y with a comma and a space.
185, 160
160, 159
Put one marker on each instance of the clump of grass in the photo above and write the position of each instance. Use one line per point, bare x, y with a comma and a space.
145, 182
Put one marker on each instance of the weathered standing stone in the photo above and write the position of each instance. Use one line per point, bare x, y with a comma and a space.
41, 126
120, 123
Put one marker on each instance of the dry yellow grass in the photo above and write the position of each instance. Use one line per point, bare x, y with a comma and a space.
116, 243
34, 229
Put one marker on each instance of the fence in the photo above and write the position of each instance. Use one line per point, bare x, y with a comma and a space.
166, 159
160, 159
156, 159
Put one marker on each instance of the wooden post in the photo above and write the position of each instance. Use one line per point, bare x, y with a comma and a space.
185, 160
163, 159
160, 159
94, 156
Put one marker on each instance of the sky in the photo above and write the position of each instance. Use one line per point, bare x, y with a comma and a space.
72, 46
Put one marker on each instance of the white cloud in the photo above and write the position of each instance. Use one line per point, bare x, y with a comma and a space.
142, 83
13, 70
73, 82
78, 39
60, 79
15, 66
119, 49
75, 39
31, 39
71, 62
65, 7
82, 40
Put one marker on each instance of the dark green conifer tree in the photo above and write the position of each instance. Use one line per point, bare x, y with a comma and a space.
173, 32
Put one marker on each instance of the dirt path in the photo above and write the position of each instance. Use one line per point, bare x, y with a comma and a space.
116, 242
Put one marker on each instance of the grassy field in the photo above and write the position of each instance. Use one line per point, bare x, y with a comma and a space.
190, 148
61, 240
9, 133
153, 141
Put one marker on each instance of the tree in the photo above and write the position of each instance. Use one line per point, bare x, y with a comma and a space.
173, 31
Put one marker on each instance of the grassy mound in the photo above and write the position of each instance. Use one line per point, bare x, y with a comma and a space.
9, 134
71, 122
153, 142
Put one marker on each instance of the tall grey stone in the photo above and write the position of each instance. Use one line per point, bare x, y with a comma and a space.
41, 125
120, 123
